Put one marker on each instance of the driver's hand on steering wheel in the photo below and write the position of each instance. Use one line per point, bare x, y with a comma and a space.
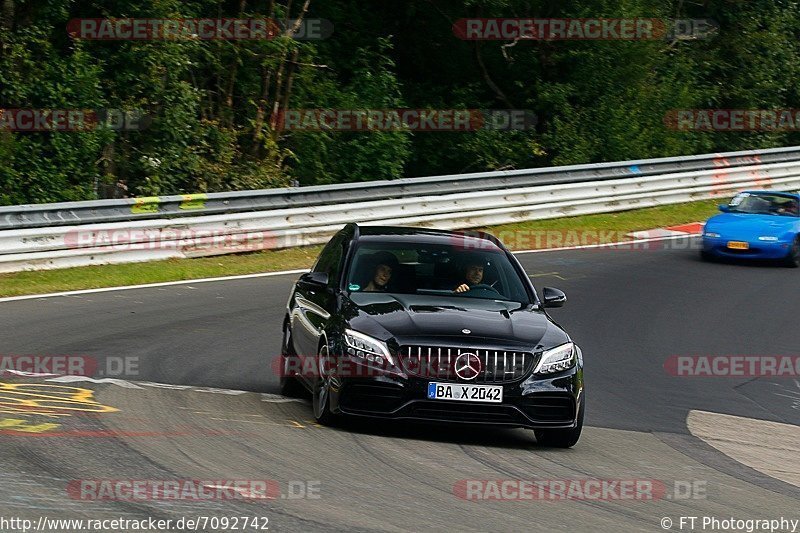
461, 288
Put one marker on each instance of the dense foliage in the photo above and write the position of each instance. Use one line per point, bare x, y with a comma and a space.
212, 101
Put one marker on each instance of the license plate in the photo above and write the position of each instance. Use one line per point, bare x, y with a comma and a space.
465, 393
738, 245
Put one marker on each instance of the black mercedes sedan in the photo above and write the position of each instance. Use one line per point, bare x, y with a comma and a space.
430, 325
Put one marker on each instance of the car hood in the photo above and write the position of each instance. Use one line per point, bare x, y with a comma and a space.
421, 319
744, 225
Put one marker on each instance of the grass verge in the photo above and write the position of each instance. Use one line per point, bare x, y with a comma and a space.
45, 281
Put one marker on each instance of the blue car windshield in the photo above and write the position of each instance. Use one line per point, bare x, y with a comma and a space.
764, 204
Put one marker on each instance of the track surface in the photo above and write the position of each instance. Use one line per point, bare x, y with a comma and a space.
628, 309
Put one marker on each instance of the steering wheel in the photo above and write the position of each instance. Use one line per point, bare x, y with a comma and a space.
484, 287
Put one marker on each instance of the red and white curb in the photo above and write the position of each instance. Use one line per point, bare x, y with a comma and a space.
687, 230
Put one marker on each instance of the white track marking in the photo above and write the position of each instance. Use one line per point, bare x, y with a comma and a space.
152, 285
769, 447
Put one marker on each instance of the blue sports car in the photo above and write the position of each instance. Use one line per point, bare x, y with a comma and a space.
757, 225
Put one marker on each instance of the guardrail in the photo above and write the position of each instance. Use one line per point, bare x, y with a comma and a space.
449, 202
189, 205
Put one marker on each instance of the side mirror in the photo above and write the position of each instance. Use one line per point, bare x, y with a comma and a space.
553, 297
725, 208
314, 280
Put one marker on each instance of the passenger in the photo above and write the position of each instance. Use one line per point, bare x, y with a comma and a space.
385, 263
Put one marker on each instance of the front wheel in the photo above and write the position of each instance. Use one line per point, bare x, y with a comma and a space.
793, 258
322, 391
561, 438
289, 386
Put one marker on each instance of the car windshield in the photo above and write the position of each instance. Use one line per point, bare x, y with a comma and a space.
435, 269
764, 204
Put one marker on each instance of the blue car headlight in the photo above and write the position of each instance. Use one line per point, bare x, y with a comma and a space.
711, 234
769, 238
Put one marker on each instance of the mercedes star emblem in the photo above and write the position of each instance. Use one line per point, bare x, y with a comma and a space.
467, 366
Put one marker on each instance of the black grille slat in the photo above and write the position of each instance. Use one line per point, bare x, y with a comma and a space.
497, 366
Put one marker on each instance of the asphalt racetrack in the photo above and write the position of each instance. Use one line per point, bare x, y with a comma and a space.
734, 440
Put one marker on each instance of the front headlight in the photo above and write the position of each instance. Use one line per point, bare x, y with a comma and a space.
711, 234
767, 238
366, 348
556, 359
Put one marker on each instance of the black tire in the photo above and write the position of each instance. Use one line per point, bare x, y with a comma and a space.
561, 438
320, 400
289, 386
706, 256
793, 258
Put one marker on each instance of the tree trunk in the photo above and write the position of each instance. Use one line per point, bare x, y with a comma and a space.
261, 112
281, 92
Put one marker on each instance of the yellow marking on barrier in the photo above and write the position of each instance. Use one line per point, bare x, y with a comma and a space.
145, 204
193, 201
16, 424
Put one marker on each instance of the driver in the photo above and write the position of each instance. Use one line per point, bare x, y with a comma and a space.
788, 208
473, 274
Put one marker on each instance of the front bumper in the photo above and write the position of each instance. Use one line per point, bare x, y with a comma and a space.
532, 402
756, 250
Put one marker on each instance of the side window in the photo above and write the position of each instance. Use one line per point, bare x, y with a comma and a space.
330, 260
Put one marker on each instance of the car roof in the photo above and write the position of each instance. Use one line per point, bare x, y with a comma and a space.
424, 235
